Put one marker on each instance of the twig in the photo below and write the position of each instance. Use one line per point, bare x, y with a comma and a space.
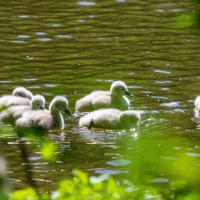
27, 165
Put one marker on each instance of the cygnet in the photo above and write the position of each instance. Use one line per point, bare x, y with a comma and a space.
110, 119
13, 112
115, 98
20, 96
45, 119
22, 92
197, 106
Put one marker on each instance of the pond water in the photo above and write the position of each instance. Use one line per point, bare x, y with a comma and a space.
72, 48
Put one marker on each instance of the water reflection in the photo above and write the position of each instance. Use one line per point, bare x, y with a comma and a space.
120, 162
171, 104
160, 180
86, 3
111, 172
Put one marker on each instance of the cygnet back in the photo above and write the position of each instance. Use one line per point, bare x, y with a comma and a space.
13, 112
115, 98
20, 96
22, 92
110, 119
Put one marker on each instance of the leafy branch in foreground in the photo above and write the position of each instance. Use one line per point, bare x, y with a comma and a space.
86, 187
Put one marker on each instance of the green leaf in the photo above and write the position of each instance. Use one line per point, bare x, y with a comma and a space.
48, 150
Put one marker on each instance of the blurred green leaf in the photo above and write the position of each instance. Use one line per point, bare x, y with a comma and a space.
26, 194
188, 20
48, 150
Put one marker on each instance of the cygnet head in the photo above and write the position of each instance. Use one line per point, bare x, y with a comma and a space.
22, 92
129, 118
59, 104
37, 102
119, 88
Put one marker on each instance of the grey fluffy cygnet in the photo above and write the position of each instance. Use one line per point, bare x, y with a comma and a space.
45, 119
22, 92
20, 96
115, 98
109, 118
197, 106
14, 112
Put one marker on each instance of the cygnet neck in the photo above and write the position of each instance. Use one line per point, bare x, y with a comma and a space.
57, 116
53, 110
116, 96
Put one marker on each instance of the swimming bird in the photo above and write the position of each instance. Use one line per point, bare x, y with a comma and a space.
45, 119
22, 92
115, 98
20, 96
110, 118
13, 112
197, 106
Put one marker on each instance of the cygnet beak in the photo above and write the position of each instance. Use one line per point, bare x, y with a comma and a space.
128, 93
41, 108
68, 112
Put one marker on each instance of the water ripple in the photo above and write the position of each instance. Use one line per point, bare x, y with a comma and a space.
24, 36
160, 180
23, 16
44, 39
193, 154
107, 171
118, 162
40, 33
63, 36
171, 104
162, 71
86, 3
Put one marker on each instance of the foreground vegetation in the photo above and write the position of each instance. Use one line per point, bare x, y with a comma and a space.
105, 187
138, 184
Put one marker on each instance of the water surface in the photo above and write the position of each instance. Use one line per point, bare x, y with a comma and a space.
72, 48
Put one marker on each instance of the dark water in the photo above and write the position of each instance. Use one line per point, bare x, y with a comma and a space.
71, 48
